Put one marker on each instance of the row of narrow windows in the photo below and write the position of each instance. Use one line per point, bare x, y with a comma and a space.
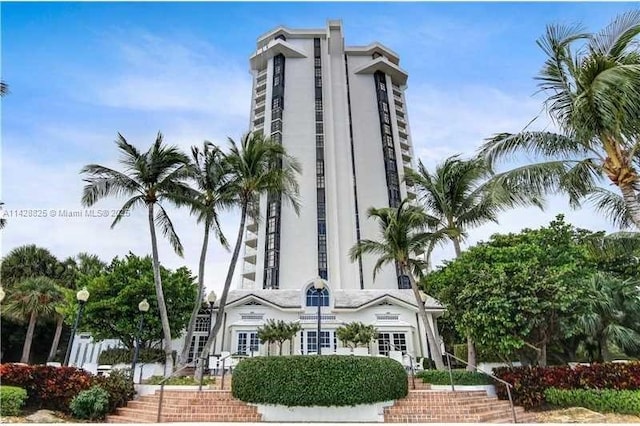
323, 270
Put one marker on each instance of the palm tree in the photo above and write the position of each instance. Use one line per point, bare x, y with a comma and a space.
460, 195
212, 195
611, 302
3, 220
29, 261
594, 100
402, 239
4, 88
29, 300
149, 179
256, 167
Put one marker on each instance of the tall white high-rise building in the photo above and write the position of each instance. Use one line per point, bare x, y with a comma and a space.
341, 112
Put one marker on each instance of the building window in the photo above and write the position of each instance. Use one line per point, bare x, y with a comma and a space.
318, 82
322, 227
316, 42
382, 86
322, 261
320, 183
385, 107
319, 128
318, 104
276, 125
318, 62
391, 342
319, 141
242, 343
388, 140
271, 241
386, 128
202, 324
386, 118
276, 80
312, 297
276, 102
318, 72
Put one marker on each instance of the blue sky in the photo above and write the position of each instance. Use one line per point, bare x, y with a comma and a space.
81, 72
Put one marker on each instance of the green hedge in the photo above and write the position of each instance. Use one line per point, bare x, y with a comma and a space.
125, 356
90, 404
325, 380
12, 399
460, 377
602, 400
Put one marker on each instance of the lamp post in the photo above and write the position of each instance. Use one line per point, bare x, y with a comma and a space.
211, 299
82, 296
319, 285
143, 307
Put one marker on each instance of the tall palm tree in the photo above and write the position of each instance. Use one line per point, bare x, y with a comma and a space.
3, 220
210, 176
29, 300
460, 195
402, 239
4, 88
150, 178
594, 100
256, 166
611, 302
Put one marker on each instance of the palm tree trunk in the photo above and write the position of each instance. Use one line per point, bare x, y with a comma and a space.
198, 302
435, 346
56, 339
471, 346
604, 349
632, 201
225, 292
26, 349
162, 307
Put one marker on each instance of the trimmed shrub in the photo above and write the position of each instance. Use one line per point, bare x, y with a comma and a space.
119, 386
325, 380
177, 380
603, 401
47, 387
12, 400
460, 377
124, 356
530, 383
91, 404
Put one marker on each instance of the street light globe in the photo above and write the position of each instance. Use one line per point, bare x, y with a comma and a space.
143, 306
211, 297
2, 294
319, 284
82, 295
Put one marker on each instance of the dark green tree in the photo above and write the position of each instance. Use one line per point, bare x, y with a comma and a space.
356, 334
115, 295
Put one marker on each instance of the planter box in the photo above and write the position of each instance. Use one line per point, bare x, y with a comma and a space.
142, 390
490, 389
364, 413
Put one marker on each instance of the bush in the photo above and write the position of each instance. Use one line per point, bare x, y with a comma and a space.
47, 387
326, 380
119, 386
460, 377
603, 401
90, 404
125, 356
11, 400
530, 383
428, 364
184, 380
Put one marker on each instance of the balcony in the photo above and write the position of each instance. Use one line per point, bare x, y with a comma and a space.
261, 95
250, 254
259, 108
249, 271
252, 225
251, 239
248, 283
404, 143
406, 155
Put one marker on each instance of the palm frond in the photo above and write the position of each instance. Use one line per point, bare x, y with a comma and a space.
126, 207
166, 226
615, 39
612, 206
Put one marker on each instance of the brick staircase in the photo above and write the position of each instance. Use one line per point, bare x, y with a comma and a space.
427, 406
212, 404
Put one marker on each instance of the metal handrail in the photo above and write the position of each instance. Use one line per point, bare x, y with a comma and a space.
411, 359
162, 383
507, 384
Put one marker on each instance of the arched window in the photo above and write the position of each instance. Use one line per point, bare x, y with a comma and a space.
312, 297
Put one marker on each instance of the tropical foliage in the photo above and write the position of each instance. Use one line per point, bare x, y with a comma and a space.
211, 195
115, 295
151, 178
356, 334
256, 166
593, 86
402, 238
460, 195
278, 332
